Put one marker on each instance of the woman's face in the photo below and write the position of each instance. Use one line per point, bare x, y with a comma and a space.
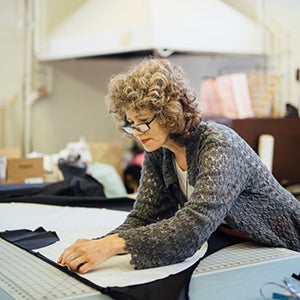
152, 139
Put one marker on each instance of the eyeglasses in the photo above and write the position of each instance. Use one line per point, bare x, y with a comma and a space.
143, 127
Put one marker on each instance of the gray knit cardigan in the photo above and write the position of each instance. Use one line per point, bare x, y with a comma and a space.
230, 183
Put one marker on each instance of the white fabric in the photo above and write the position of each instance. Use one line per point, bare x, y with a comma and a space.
71, 223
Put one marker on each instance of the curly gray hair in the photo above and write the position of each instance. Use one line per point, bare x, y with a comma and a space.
157, 85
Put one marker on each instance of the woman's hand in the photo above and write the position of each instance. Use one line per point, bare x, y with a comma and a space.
84, 255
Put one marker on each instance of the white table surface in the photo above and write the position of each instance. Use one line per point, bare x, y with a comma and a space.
242, 282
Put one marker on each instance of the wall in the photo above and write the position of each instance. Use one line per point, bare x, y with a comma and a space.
11, 72
281, 18
286, 56
75, 105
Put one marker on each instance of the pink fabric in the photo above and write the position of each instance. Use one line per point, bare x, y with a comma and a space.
210, 101
226, 96
239, 83
138, 159
223, 84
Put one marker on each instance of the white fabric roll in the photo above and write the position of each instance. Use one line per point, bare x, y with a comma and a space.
266, 150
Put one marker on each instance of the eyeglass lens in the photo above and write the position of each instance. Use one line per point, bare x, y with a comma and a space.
144, 127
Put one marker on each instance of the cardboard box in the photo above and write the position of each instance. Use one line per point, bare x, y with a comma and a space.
25, 170
13, 152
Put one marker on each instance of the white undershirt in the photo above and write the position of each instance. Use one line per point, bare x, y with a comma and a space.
183, 182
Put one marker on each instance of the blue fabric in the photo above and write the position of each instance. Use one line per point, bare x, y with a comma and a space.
108, 176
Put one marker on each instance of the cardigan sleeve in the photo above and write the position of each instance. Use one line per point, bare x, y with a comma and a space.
153, 201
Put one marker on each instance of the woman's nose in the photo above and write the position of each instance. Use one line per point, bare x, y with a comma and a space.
136, 132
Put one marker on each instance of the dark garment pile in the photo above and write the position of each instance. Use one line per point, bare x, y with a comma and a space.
80, 191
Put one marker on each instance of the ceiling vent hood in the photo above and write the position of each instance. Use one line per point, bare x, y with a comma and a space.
101, 27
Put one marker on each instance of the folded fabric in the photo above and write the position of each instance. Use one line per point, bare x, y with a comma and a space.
81, 186
83, 191
29, 239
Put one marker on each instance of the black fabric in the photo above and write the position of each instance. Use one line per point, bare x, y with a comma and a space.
173, 287
122, 203
80, 191
29, 239
75, 186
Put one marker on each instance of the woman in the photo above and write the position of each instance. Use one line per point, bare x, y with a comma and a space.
195, 176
